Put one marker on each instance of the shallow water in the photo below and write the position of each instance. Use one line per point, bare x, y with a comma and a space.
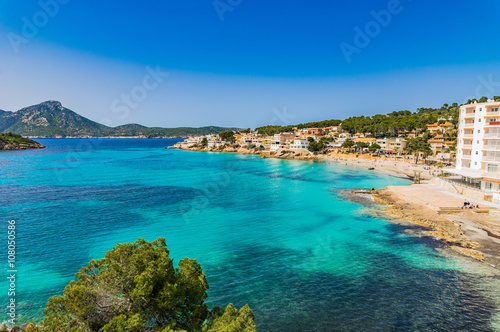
272, 233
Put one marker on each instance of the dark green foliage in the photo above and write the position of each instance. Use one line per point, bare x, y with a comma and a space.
11, 138
374, 147
362, 145
230, 320
418, 145
204, 142
227, 136
136, 287
380, 125
271, 130
246, 131
316, 146
401, 122
483, 99
348, 144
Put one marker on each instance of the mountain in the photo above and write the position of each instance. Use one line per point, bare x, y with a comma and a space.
51, 119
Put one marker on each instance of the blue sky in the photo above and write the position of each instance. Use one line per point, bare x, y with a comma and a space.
245, 63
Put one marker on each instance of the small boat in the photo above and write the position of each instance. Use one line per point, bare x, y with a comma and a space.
371, 168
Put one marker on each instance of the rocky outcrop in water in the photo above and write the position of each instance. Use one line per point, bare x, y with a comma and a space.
9, 141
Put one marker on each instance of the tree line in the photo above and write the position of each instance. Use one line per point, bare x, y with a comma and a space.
380, 125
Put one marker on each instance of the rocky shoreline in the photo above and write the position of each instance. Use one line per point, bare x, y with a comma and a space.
440, 227
20, 146
11, 147
281, 154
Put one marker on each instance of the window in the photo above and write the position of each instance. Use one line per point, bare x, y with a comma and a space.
480, 109
479, 119
477, 152
477, 141
488, 185
492, 168
479, 131
475, 163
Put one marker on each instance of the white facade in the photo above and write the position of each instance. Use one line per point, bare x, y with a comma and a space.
478, 144
275, 143
382, 142
299, 144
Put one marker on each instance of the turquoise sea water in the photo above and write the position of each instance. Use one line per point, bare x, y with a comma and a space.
275, 234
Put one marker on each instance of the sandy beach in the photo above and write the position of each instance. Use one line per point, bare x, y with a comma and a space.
388, 165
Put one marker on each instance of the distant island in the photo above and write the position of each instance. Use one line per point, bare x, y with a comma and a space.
10, 141
51, 120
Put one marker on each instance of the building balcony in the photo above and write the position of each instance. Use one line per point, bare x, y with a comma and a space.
469, 135
495, 159
467, 146
469, 125
491, 147
493, 123
492, 114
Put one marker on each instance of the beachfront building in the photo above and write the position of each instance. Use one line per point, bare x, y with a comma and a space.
299, 145
382, 142
266, 142
214, 141
282, 141
437, 146
275, 142
478, 147
248, 140
189, 142
396, 144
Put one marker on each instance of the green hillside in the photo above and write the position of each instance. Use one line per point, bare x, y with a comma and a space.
51, 119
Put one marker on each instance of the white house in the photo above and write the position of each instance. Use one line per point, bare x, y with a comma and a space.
299, 144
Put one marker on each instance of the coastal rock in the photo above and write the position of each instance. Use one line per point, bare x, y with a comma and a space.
10, 141
7, 146
469, 252
440, 227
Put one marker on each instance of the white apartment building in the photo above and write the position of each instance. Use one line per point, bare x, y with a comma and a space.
299, 144
478, 146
